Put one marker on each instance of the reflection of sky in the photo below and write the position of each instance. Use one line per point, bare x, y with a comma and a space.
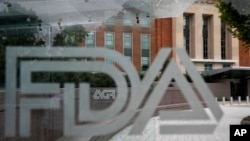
79, 12
2, 6
70, 11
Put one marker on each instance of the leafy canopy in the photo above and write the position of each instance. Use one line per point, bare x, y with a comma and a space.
238, 24
18, 27
70, 36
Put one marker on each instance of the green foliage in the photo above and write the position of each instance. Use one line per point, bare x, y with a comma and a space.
18, 27
101, 80
59, 40
238, 24
70, 36
95, 79
17, 15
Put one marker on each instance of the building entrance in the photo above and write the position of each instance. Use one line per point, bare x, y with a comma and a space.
238, 88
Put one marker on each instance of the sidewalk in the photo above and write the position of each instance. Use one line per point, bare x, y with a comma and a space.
232, 115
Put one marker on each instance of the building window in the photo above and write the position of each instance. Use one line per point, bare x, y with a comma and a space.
90, 39
127, 45
127, 18
208, 67
223, 40
225, 65
205, 36
90, 42
144, 20
145, 63
109, 40
186, 32
109, 43
145, 46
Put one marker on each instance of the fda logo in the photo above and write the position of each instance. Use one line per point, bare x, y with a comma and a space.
239, 132
126, 103
104, 94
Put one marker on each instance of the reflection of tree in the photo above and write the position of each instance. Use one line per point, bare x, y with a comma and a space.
70, 36
18, 26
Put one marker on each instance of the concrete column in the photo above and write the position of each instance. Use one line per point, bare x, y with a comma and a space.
216, 37
178, 38
231, 101
178, 31
223, 100
197, 36
233, 48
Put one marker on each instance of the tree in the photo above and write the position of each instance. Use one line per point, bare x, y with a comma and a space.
237, 21
18, 26
70, 36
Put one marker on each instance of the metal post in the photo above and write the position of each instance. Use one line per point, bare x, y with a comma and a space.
223, 100
231, 100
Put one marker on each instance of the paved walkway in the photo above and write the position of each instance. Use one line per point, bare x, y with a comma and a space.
232, 115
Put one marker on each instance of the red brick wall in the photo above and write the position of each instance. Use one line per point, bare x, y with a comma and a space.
160, 31
244, 55
136, 30
163, 33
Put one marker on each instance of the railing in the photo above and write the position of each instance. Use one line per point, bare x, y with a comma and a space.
231, 101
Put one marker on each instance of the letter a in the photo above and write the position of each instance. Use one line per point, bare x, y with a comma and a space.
237, 132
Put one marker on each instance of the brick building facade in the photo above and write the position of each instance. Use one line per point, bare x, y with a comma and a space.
199, 30
135, 40
244, 55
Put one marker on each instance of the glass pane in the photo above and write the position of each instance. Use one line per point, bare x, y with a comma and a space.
145, 41
74, 70
127, 40
109, 40
145, 60
90, 40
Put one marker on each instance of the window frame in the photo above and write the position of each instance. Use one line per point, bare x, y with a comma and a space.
223, 41
205, 36
131, 45
94, 40
187, 29
105, 45
208, 67
149, 50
